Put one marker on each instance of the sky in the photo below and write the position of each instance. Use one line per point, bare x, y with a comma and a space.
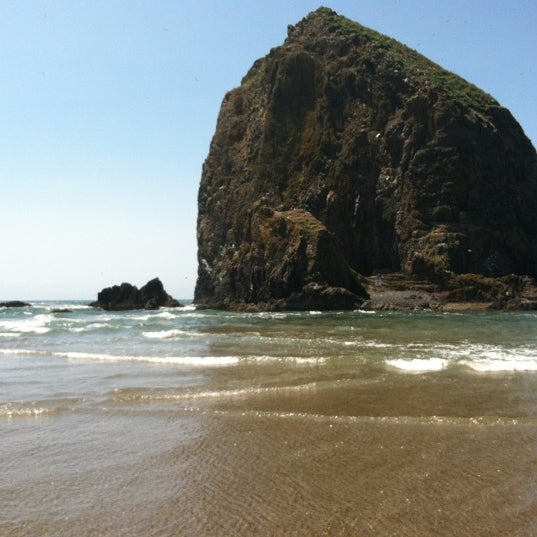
108, 107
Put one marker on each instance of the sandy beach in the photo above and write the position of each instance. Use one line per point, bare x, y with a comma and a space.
342, 457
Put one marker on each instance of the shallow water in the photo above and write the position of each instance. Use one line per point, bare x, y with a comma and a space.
185, 422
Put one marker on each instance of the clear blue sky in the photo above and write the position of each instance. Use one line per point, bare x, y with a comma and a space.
107, 109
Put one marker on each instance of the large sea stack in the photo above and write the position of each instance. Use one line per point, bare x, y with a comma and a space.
345, 154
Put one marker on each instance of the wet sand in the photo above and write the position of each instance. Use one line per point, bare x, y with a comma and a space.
291, 477
395, 455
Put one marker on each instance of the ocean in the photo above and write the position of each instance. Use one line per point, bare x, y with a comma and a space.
181, 422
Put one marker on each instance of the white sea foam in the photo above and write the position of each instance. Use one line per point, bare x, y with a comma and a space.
165, 334
36, 325
11, 411
480, 421
66, 305
367, 344
202, 361
419, 365
162, 395
494, 358
92, 326
143, 315
168, 314
199, 361
299, 360
164, 315
478, 357
194, 314
271, 315
498, 365
17, 352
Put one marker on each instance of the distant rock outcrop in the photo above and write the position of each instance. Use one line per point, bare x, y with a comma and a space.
14, 304
128, 297
343, 154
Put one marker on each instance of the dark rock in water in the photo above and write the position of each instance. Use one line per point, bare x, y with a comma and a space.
128, 297
14, 304
153, 296
61, 310
344, 153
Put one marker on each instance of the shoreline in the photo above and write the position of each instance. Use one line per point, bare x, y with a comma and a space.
451, 292
400, 291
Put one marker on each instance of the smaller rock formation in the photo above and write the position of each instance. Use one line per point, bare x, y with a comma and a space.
14, 304
126, 296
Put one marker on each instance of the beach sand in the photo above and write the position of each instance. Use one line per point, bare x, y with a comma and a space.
393, 459
404, 455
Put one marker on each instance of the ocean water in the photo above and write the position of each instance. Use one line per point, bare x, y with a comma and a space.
185, 422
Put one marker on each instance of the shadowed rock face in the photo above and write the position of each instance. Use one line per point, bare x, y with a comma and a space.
343, 153
128, 297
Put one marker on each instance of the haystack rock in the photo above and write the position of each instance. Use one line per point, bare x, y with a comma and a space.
345, 154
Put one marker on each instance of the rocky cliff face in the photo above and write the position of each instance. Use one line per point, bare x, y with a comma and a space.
344, 153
